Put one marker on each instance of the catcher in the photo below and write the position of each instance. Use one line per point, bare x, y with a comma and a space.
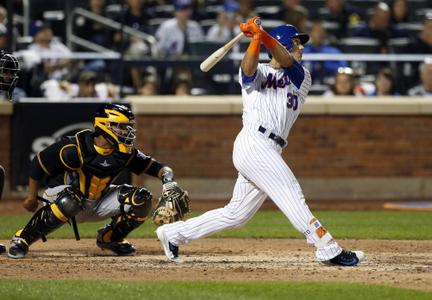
79, 171
9, 70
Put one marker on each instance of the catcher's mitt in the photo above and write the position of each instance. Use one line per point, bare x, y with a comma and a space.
172, 206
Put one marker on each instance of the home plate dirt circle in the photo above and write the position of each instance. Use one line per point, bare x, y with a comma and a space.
405, 264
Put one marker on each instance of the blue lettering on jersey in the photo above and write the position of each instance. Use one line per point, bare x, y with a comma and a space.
292, 101
272, 82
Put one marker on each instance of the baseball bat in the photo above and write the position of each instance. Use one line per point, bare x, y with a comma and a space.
216, 56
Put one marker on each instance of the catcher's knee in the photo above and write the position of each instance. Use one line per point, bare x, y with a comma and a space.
135, 202
68, 204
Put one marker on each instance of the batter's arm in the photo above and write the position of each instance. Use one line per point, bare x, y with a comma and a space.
249, 63
251, 29
277, 50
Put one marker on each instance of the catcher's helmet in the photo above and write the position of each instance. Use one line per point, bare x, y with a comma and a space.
285, 33
116, 123
9, 69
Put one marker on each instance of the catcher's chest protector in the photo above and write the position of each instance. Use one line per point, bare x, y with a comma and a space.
97, 171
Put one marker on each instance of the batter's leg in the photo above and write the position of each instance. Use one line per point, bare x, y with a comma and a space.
246, 200
265, 167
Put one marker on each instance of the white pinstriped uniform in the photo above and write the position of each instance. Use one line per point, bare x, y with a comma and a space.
274, 105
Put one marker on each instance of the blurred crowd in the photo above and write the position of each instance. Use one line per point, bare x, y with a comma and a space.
187, 29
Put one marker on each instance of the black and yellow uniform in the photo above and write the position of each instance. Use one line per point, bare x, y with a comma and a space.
78, 162
78, 174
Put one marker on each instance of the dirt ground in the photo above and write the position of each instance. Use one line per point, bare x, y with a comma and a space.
405, 264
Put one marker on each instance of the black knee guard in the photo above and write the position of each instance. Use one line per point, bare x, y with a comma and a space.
135, 205
135, 202
69, 202
50, 217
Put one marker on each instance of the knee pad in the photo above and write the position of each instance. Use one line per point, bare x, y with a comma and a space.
135, 202
68, 203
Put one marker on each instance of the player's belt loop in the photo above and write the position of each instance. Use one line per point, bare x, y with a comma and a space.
280, 141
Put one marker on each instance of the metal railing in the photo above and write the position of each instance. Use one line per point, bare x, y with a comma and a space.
74, 39
112, 55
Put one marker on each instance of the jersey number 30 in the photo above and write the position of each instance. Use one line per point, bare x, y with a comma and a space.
292, 101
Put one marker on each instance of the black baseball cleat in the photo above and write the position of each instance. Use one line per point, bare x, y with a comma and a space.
346, 258
18, 248
2, 249
122, 248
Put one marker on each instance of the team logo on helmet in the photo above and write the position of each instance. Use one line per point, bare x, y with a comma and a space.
116, 123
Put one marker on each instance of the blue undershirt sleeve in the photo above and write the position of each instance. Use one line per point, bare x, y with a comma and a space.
295, 74
248, 79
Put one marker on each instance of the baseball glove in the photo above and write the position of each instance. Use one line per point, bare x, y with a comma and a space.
172, 206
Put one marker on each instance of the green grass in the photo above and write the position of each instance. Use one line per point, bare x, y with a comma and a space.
273, 224
173, 290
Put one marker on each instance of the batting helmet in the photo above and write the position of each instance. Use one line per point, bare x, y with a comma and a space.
9, 69
285, 33
116, 123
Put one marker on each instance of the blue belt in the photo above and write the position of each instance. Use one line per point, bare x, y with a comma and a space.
280, 141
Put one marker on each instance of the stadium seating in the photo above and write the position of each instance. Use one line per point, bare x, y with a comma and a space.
359, 45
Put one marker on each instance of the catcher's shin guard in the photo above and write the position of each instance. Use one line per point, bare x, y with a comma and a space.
47, 219
43, 222
135, 207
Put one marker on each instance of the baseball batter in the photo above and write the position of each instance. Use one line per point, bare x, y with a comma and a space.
273, 95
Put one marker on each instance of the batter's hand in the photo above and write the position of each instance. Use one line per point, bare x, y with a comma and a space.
31, 204
251, 27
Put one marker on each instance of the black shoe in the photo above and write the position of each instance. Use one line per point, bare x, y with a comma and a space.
2, 248
18, 248
122, 248
347, 258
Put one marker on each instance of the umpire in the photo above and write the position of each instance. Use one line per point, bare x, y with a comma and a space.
79, 171
9, 70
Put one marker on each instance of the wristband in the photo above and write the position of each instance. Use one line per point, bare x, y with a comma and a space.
254, 46
268, 41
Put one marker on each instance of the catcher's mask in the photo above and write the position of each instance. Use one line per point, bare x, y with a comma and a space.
116, 123
9, 69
